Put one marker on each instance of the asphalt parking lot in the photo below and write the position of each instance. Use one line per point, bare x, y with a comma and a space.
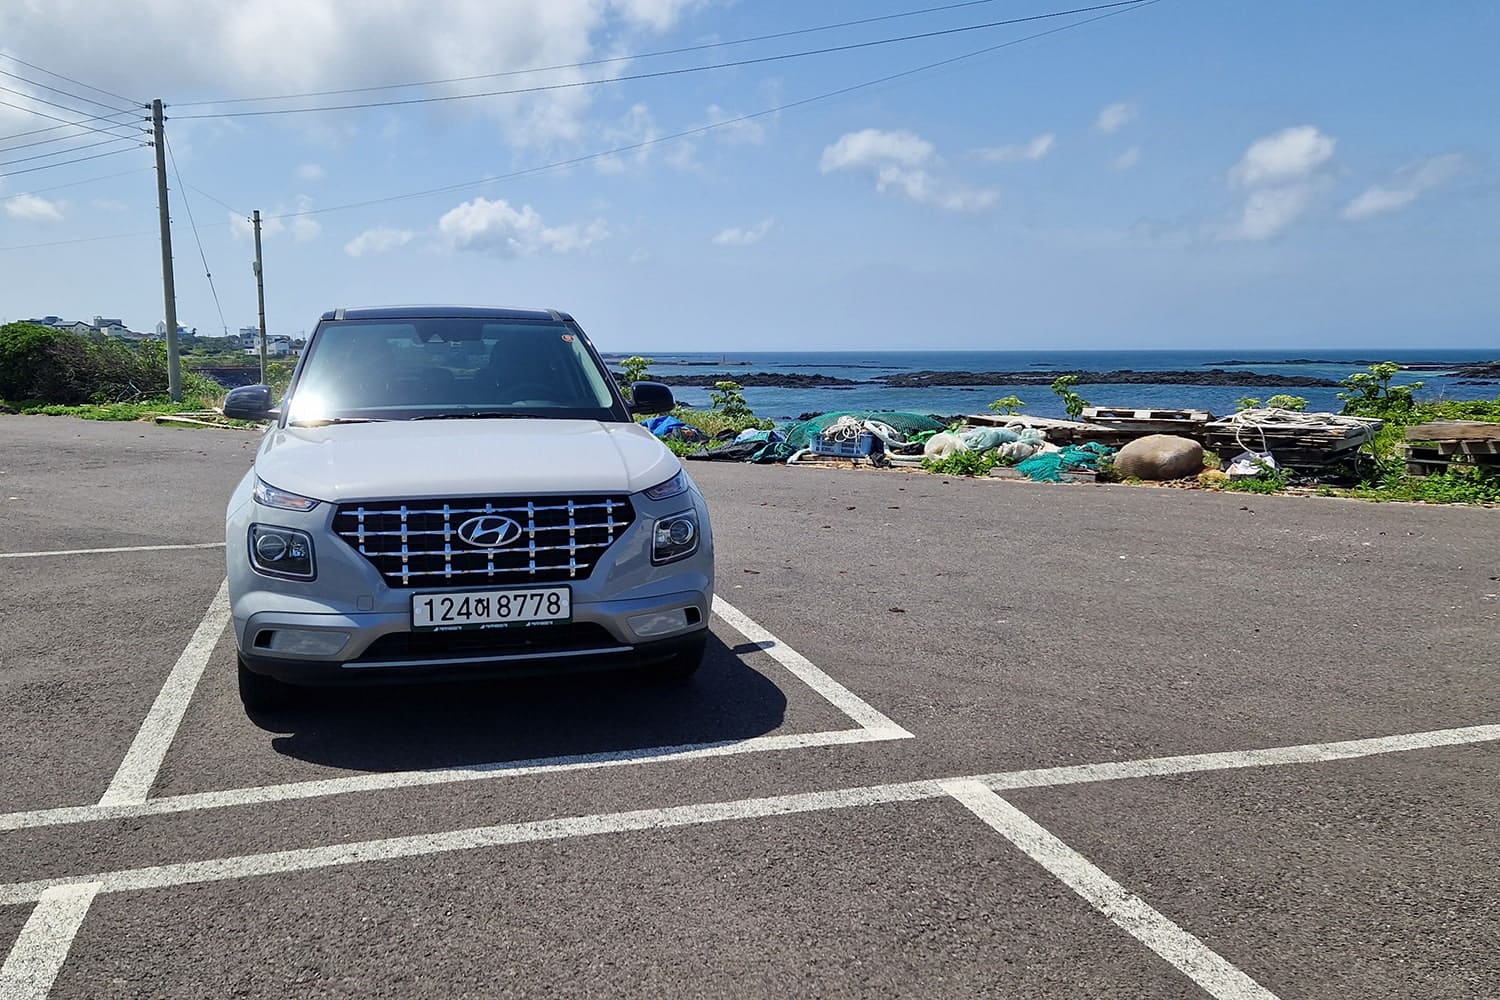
954, 738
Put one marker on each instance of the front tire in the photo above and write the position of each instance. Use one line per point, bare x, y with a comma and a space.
259, 693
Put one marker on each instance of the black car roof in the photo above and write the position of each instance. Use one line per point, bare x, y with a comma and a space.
446, 312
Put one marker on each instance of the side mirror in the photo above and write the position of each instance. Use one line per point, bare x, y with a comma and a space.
250, 402
647, 398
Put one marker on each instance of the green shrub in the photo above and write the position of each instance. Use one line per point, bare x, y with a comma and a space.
1008, 405
728, 399
43, 365
1370, 394
1072, 402
963, 463
1285, 402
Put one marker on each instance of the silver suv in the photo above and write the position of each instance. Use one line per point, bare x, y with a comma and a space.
450, 492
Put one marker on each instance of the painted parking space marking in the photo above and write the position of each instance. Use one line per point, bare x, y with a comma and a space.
1190, 956
137, 772
39, 952
303, 859
128, 793
118, 548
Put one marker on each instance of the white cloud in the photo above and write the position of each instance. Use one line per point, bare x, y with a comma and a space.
874, 147
1127, 159
1113, 117
286, 46
311, 172
378, 240
636, 126
1268, 211
899, 160
1409, 182
1281, 175
30, 208
1287, 156
735, 236
639, 255
1035, 149
495, 227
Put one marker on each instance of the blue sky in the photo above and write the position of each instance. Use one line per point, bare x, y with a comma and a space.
1193, 173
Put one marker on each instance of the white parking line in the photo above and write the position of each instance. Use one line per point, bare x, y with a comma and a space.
132, 781
1194, 959
120, 548
38, 955
128, 792
835, 693
644, 819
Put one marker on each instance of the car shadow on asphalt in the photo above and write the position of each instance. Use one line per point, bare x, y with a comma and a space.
467, 723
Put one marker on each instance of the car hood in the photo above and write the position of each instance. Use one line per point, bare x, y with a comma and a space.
442, 458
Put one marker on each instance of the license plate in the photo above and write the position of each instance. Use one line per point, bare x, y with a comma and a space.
490, 608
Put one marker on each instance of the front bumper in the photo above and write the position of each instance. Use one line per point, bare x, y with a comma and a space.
347, 625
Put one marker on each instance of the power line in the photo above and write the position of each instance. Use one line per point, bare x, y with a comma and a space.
83, 239
50, 128
217, 201
201, 255
64, 152
65, 122
759, 60
81, 159
595, 62
701, 129
50, 104
86, 180
80, 83
65, 93
57, 138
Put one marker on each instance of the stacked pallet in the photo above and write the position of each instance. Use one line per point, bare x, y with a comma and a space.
1140, 422
1297, 440
1452, 444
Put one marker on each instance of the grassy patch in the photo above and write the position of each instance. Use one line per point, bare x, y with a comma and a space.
963, 463
713, 422
139, 410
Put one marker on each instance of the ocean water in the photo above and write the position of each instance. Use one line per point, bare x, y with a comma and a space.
865, 365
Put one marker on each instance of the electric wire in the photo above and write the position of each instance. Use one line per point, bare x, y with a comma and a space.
701, 129
81, 159
188, 205
65, 93
66, 123
81, 239
58, 138
64, 152
659, 74
217, 201
51, 128
86, 180
80, 83
604, 61
50, 104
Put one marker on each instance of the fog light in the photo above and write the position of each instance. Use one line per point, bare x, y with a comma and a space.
306, 642
675, 536
284, 552
659, 623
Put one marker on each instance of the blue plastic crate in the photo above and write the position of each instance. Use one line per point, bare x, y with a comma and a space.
861, 447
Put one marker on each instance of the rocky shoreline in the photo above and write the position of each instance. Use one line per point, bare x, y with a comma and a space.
959, 379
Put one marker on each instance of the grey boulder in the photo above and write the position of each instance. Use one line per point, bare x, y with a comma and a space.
1160, 456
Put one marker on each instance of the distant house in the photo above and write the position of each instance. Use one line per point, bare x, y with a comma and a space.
81, 328
250, 337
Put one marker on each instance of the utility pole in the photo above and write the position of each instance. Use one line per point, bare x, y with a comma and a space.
260, 295
168, 288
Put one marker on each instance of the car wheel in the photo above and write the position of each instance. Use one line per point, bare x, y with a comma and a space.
681, 665
259, 693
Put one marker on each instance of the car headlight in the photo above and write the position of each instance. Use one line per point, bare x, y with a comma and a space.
269, 496
284, 552
674, 537
678, 484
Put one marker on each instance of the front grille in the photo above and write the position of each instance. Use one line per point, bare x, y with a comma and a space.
416, 543
478, 643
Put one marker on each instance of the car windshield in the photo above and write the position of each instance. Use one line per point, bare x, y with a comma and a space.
449, 368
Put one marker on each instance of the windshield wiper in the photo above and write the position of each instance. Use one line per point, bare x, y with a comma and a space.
325, 421
482, 415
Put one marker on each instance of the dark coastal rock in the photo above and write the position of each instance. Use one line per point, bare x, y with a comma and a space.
758, 380
1211, 376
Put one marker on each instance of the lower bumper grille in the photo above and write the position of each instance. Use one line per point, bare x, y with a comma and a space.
478, 643
484, 540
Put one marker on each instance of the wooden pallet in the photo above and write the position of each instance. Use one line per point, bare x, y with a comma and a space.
1425, 461
1453, 431
1140, 422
